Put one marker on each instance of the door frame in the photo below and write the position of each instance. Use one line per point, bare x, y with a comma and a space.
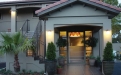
67, 47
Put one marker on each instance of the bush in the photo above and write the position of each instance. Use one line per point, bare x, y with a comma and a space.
108, 52
91, 57
51, 55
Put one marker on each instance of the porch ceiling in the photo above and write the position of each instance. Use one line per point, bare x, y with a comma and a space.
78, 28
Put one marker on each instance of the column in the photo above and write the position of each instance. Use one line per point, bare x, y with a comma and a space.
13, 19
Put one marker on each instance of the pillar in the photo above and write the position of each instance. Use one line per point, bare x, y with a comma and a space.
13, 19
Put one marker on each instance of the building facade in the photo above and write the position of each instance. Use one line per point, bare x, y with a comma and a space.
73, 20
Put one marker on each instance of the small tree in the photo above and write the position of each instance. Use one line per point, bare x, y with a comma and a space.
13, 44
108, 52
51, 55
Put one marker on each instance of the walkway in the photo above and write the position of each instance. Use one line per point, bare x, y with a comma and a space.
78, 69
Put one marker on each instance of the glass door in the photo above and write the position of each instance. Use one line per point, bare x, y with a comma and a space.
76, 47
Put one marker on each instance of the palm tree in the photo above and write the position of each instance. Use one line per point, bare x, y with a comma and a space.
13, 44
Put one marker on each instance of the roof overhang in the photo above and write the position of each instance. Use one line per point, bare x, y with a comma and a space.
11, 3
110, 11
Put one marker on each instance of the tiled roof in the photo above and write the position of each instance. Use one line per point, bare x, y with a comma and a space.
105, 4
51, 5
62, 1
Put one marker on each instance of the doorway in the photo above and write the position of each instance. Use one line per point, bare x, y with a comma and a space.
75, 51
76, 47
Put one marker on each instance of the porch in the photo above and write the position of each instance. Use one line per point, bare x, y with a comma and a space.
80, 69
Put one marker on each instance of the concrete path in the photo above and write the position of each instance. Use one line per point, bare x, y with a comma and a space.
79, 69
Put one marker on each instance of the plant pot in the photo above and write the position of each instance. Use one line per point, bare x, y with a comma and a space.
108, 67
59, 70
51, 67
17, 69
61, 62
91, 62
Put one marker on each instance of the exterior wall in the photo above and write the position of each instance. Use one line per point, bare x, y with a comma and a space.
27, 63
96, 50
78, 10
5, 21
117, 46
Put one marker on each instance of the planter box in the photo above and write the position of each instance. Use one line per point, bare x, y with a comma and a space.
51, 67
108, 67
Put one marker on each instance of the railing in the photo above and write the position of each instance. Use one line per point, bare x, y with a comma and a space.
37, 42
25, 28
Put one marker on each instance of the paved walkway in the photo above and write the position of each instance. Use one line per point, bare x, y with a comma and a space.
79, 69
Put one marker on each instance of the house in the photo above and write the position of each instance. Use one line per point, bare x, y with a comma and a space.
73, 20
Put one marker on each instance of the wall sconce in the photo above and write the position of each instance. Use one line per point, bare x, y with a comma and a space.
29, 52
49, 32
107, 31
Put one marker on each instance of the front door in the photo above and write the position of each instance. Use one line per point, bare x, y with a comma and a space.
76, 47
75, 51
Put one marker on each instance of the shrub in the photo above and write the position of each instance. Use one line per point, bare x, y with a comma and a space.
108, 52
51, 55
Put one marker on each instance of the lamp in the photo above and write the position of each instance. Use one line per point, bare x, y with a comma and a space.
49, 32
107, 31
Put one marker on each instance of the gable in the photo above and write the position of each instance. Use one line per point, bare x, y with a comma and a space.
112, 11
78, 10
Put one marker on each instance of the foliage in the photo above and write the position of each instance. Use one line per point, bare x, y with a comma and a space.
92, 41
51, 55
42, 72
98, 59
108, 52
61, 57
11, 43
28, 44
116, 21
15, 43
59, 66
61, 42
91, 57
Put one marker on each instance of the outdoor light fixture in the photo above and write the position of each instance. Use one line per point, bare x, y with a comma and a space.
107, 31
29, 53
49, 32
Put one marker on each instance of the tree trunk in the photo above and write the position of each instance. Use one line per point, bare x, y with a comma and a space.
16, 63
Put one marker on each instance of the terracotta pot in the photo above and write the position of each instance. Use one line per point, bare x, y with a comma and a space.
59, 70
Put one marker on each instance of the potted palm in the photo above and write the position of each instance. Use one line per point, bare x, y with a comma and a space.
51, 59
12, 44
108, 63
